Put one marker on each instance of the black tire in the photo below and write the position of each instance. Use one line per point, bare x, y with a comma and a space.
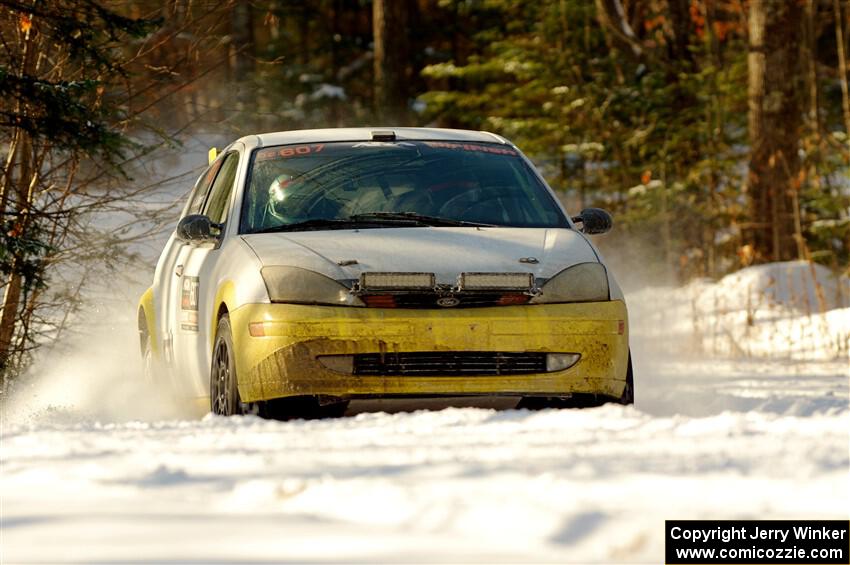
300, 408
628, 396
153, 371
149, 370
155, 378
224, 393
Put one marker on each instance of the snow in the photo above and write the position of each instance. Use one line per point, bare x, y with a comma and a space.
328, 91
793, 285
108, 473
793, 310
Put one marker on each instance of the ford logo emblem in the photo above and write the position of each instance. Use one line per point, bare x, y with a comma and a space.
448, 301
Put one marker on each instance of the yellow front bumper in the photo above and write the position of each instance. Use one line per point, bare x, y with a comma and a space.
283, 362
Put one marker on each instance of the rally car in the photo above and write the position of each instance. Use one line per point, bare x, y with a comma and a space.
315, 269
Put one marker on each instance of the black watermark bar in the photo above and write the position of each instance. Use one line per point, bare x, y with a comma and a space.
757, 542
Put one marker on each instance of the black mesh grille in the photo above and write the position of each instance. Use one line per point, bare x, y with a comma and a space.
449, 363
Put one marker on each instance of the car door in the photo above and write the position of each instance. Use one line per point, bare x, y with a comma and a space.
191, 324
167, 278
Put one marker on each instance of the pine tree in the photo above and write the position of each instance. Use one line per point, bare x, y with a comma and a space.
56, 114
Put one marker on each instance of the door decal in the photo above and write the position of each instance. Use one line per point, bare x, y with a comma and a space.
189, 304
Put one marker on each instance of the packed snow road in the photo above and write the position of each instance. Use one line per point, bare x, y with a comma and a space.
94, 468
707, 439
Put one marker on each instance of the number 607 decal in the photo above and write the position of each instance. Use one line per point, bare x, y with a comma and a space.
294, 150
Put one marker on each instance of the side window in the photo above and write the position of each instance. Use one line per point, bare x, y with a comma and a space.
196, 200
216, 206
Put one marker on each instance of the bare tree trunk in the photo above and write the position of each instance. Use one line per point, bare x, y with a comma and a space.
666, 232
8, 317
389, 29
842, 63
612, 16
811, 66
17, 208
680, 23
242, 34
775, 121
714, 125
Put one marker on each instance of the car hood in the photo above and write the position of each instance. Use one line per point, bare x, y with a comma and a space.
444, 251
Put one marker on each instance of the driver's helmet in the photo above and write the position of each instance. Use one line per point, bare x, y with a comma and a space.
277, 196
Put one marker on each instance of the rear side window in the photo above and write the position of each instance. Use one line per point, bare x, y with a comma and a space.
217, 203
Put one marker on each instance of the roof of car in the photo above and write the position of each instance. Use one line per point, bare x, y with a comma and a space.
366, 134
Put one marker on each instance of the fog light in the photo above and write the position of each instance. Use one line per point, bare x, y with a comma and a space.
496, 281
391, 281
338, 363
561, 361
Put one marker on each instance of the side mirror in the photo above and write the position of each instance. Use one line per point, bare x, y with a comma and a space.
594, 221
197, 228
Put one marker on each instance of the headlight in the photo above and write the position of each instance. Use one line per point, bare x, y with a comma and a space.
585, 282
302, 286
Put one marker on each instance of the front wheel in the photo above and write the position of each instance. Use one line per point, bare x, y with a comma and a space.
224, 393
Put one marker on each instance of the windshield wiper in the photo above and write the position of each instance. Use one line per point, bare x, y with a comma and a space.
370, 219
339, 223
421, 219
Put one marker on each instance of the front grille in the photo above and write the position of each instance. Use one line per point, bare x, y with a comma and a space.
418, 300
450, 363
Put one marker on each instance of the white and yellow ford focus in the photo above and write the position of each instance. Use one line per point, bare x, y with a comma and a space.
317, 269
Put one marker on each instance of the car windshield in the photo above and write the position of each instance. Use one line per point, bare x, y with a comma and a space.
403, 183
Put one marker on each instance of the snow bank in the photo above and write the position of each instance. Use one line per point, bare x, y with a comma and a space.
792, 286
793, 310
